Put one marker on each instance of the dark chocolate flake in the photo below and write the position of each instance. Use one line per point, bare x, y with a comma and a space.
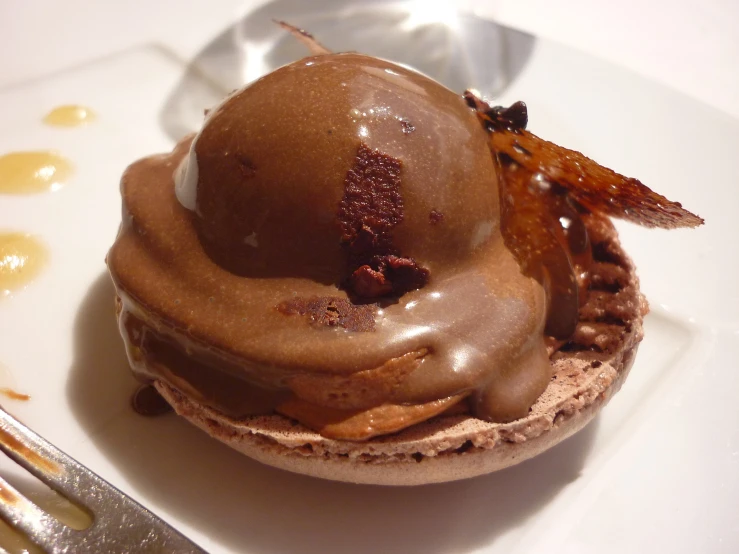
369, 210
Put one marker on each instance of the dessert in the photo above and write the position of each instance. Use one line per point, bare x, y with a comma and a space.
355, 273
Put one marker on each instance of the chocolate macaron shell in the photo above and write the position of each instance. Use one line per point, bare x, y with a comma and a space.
587, 371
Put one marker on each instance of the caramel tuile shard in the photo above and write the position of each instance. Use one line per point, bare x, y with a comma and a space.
528, 224
597, 188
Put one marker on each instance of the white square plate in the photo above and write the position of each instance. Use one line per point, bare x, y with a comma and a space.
657, 471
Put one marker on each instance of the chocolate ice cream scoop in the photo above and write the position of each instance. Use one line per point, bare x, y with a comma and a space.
339, 161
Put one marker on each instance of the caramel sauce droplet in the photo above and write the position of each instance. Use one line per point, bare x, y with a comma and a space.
14, 395
70, 116
33, 172
21, 259
8, 387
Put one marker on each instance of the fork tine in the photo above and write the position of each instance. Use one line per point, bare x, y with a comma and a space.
16, 510
120, 524
30, 451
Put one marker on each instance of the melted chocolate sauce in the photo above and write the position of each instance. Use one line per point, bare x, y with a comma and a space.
147, 401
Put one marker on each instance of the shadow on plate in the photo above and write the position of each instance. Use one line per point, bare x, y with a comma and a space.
459, 50
183, 474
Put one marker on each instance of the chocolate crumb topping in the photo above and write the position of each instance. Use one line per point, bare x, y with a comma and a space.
513, 118
393, 274
405, 273
436, 217
369, 283
331, 311
369, 210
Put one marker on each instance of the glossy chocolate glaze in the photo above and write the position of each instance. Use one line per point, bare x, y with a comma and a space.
279, 150
271, 162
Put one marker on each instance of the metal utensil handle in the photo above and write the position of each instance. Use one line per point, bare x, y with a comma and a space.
120, 524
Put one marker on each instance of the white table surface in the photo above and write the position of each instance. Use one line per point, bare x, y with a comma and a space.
691, 46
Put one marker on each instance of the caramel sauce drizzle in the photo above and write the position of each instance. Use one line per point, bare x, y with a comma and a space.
22, 257
70, 116
14, 395
33, 172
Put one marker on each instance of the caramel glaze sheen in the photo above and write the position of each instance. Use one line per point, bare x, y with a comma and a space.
199, 303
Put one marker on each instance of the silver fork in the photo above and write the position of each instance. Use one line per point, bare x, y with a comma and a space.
119, 524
